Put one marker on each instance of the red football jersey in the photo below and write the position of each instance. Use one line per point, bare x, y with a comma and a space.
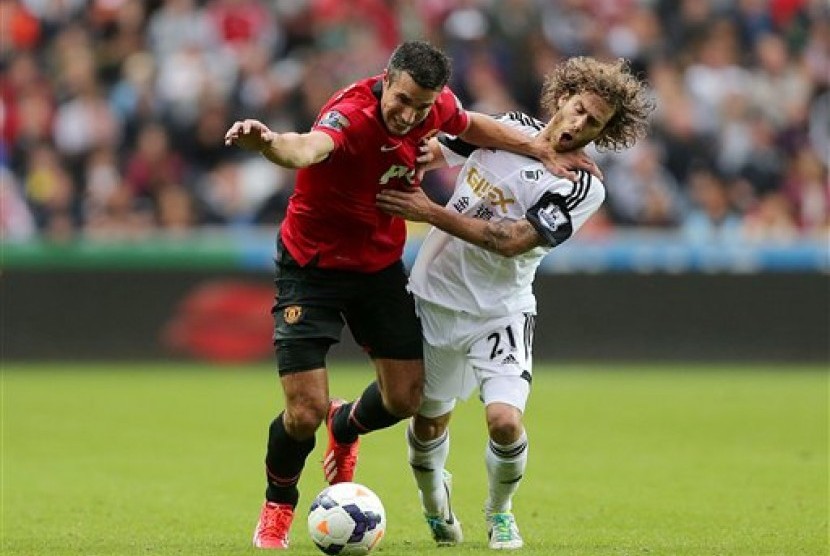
332, 217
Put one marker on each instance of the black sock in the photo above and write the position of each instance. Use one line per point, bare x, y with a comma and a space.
363, 415
284, 462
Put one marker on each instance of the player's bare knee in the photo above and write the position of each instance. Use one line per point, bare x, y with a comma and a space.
505, 432
429, 428
401, 384
504, 427
401, 400
302, 421
403, 404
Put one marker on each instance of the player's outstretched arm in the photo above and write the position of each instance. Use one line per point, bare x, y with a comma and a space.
485, 131
290, 150
505, 238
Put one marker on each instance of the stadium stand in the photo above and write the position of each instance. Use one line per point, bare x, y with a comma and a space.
112, 112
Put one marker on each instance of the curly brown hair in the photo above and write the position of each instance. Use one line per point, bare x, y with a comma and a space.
616, 85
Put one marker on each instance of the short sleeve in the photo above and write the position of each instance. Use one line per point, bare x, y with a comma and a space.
338, 122
453, 118
560, 212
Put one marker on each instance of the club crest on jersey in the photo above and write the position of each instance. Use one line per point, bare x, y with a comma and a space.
334, 120
532, 175
292, 314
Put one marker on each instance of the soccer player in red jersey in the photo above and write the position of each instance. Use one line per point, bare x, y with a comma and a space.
338, 259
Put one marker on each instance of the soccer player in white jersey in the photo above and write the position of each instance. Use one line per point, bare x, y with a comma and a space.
472, 279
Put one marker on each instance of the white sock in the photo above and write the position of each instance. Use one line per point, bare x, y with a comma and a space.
427, 460
505, 467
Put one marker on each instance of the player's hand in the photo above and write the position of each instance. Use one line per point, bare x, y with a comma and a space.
423, 160
410, 203
566, 164
249, 134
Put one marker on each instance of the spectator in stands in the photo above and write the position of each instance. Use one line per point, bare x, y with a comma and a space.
153, 164
16, 220
771, 219
28, 108
808, 188
712, 219
49, 191
683, 142
644, 194
778, 88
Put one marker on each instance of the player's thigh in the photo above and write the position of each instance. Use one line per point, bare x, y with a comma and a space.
381, 316
512, 391
447, 377
502, 357
504, 343
307, 312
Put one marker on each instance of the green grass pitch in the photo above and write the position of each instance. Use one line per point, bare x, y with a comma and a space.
166, 459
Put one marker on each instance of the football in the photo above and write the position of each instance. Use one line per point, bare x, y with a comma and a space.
346, 518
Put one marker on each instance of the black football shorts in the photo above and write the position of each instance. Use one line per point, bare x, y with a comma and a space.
315, 303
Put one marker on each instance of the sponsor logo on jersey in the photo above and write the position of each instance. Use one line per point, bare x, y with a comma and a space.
486, 190
334, 120
461, 204
387, 148
398, 171
483, 212
292, 314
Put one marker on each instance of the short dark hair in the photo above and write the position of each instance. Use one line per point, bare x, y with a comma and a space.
427, 65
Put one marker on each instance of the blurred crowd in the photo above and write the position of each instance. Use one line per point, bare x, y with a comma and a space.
113, 112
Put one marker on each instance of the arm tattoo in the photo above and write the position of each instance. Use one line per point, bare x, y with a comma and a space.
505, 236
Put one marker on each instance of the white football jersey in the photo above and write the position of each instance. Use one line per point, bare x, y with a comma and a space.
498, 185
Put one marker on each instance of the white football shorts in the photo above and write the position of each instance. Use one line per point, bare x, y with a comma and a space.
462, 352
